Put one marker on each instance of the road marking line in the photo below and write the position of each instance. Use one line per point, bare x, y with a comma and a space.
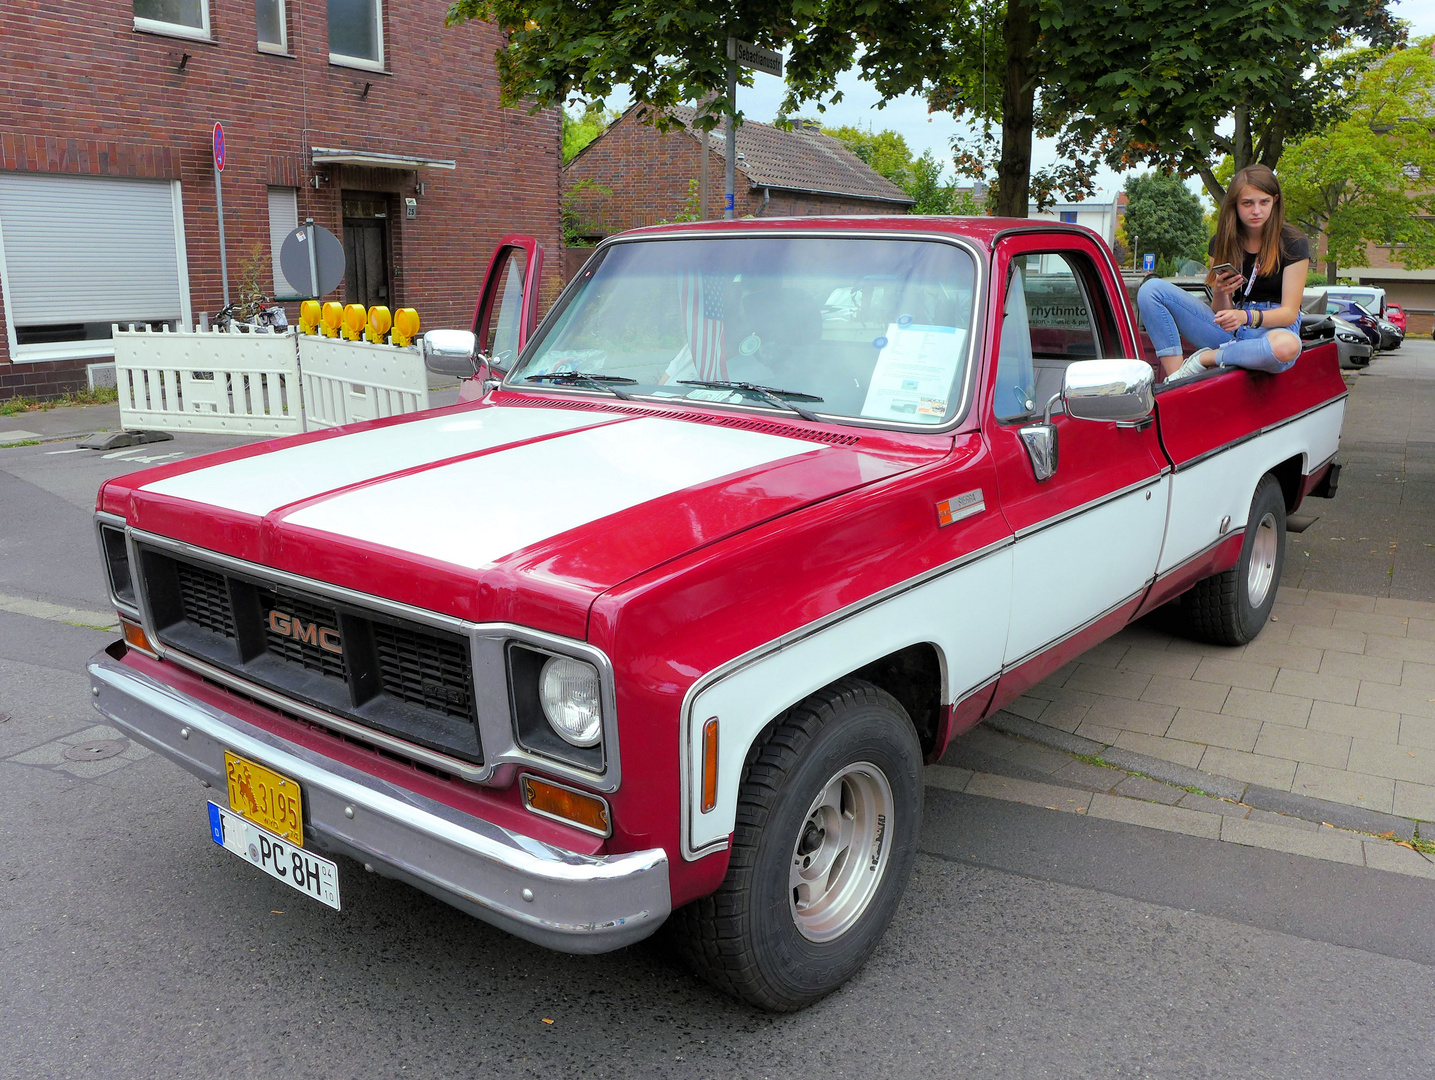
38, 609
72, 450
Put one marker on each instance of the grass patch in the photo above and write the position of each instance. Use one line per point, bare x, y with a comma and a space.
101, 395
22, 442
1092, 759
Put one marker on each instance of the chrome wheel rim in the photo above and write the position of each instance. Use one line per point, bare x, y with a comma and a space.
841, 852
1262, 570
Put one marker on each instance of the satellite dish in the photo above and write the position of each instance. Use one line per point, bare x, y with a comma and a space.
312, 260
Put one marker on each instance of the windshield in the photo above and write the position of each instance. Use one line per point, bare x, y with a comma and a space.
847, 327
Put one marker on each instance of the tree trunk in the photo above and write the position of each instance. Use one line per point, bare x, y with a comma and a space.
1018, 109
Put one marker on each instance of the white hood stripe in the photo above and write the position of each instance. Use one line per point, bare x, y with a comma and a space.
472, 513
261, 484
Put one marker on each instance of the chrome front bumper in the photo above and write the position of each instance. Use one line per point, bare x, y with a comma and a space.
559, 899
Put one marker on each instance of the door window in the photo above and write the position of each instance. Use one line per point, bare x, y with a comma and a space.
1048, 321
505, 310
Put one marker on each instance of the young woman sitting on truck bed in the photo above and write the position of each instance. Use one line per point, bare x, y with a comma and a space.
1258, 271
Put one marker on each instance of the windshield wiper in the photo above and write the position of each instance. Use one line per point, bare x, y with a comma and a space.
782, 399
586, 378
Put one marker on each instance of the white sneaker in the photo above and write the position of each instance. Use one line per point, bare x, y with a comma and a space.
1191, 368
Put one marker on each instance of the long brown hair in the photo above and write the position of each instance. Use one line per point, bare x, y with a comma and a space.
1230, 243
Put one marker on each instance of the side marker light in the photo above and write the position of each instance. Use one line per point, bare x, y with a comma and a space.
710, 764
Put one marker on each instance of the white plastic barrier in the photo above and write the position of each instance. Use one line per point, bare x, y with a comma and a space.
261, 384
208, 382
348, 381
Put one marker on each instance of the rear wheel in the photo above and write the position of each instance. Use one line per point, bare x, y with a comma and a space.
827, 822
1232, 607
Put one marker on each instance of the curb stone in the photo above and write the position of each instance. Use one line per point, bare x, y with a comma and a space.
1305, 807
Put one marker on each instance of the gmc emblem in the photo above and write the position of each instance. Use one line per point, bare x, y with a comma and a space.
286, 625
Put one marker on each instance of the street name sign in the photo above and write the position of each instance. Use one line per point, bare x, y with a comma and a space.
752, 56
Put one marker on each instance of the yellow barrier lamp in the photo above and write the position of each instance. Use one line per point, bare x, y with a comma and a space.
355, 318
379, 323
309, 316
406, 326
332, 318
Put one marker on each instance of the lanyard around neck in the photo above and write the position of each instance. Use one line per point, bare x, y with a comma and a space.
1251, 280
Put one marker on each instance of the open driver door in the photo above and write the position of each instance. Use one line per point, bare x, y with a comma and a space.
507, 310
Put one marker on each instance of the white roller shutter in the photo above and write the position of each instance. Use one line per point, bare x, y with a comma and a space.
283, 219
86, 249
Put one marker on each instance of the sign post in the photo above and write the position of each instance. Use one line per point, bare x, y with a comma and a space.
741, 54
219, 205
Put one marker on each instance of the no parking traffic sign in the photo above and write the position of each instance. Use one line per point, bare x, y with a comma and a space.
218, 146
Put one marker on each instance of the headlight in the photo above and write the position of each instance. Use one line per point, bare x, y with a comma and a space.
1350, 338
569, 692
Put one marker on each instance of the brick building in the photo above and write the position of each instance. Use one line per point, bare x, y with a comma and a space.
634, 175
343, 110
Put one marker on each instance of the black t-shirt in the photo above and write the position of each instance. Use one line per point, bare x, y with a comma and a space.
1267, 287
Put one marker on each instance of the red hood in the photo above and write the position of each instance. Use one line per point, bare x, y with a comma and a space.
523, 512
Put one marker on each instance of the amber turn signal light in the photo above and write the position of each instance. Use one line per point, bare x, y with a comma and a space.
135, 637
567, 805
710, 764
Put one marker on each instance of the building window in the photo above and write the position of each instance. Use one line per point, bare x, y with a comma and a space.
271, 19
1069, 216
185, 18
356, 33
283, 219
81, 253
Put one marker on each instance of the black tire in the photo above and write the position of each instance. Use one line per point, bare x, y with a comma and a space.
1221, 609
747, 938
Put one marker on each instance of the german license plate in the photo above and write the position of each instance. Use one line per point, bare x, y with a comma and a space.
264, 797
297, 868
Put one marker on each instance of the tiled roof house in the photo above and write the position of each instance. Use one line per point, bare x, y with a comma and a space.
637, 175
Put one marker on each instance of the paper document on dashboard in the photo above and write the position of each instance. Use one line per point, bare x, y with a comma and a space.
914, 372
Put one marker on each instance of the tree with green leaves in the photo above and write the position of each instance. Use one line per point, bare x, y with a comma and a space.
580, 130
1155, 83
885, 151
1371, 177
1133, 80
1164, 218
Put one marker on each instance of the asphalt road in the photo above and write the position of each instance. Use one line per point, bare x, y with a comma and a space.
1030, 943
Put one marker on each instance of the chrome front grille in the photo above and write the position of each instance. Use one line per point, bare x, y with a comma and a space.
424, 669
393, 675
205, 598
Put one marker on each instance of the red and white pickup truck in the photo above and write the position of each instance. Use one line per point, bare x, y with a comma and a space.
662, 620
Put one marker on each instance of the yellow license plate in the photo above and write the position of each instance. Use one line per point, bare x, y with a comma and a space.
264, 797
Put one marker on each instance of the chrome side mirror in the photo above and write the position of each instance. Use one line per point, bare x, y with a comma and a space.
450, 352
1117, 390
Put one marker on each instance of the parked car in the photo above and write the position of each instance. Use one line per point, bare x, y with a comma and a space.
661, 621
1391, 336
1354, 314
1370, 297
1396, 314
1350, 341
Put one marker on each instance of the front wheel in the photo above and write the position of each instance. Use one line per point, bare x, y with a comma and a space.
827, 822
1231, 608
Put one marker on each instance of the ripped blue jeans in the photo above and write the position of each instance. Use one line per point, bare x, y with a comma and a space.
1171, 313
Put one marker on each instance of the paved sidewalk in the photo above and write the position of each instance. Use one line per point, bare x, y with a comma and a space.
1324, 725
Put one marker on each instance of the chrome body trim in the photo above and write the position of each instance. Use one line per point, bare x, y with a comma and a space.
579, 903
1208, 454
1062, 638
1076, 511
497, 729
698, 232
114, 521
786, 641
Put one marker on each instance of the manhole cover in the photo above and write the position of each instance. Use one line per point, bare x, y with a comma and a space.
97, 750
